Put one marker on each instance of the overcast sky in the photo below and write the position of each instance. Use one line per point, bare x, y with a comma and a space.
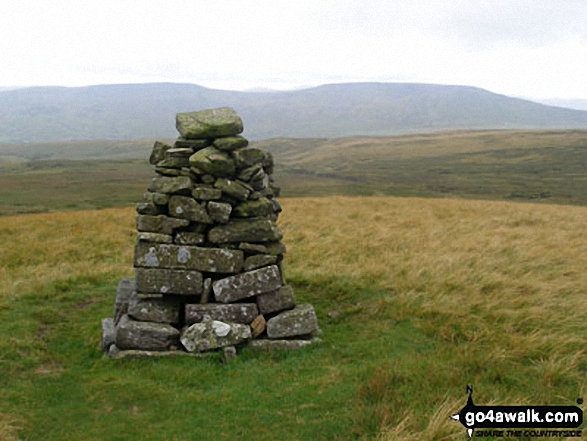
531, 48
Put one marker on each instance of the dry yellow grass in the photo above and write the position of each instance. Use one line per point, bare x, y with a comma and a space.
521, 265
335, 150
440, 427
38, 249
507, 279
9, 427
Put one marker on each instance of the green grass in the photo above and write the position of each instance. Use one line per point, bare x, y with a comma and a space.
56, 185
57, 381
372, 366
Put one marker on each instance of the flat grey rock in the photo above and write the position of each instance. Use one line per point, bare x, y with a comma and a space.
259, 261
243, 313
170, 185
213, 334
118, 354
261, 230
174, 161
168, 281
126, 290
206, 193
214, 162
149, 336
281, 345
154, 238
209, 123
248, 157
276, 301
185, 207
213, 260
158, 153
259, 208
235, 189
219, 212
189, 238
148, 208
159, 224
193, 144
244, 285
108, 333
231, 143
298, 321
154, 310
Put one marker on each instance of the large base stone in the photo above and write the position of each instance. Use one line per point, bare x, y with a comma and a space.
149, 336
214, 334
299, 321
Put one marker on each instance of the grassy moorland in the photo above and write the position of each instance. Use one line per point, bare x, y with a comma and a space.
545, 166
539, 166
416, 298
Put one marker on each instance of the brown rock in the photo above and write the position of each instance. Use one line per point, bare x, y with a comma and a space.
258, 326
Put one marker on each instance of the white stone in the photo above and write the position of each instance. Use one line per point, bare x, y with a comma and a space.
220, 329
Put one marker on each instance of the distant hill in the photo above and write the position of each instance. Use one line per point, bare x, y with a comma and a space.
568, 103
336, 110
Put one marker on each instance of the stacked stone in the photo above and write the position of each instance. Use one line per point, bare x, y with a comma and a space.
208, 256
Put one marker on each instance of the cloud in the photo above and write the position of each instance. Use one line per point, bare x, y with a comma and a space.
486, 23
526, 47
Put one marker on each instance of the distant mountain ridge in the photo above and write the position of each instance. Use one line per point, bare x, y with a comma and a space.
577, 104
336, 110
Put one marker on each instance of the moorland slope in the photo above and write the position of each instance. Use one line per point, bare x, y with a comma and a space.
541, 166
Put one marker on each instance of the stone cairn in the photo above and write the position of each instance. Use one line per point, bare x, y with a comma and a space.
208, 255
